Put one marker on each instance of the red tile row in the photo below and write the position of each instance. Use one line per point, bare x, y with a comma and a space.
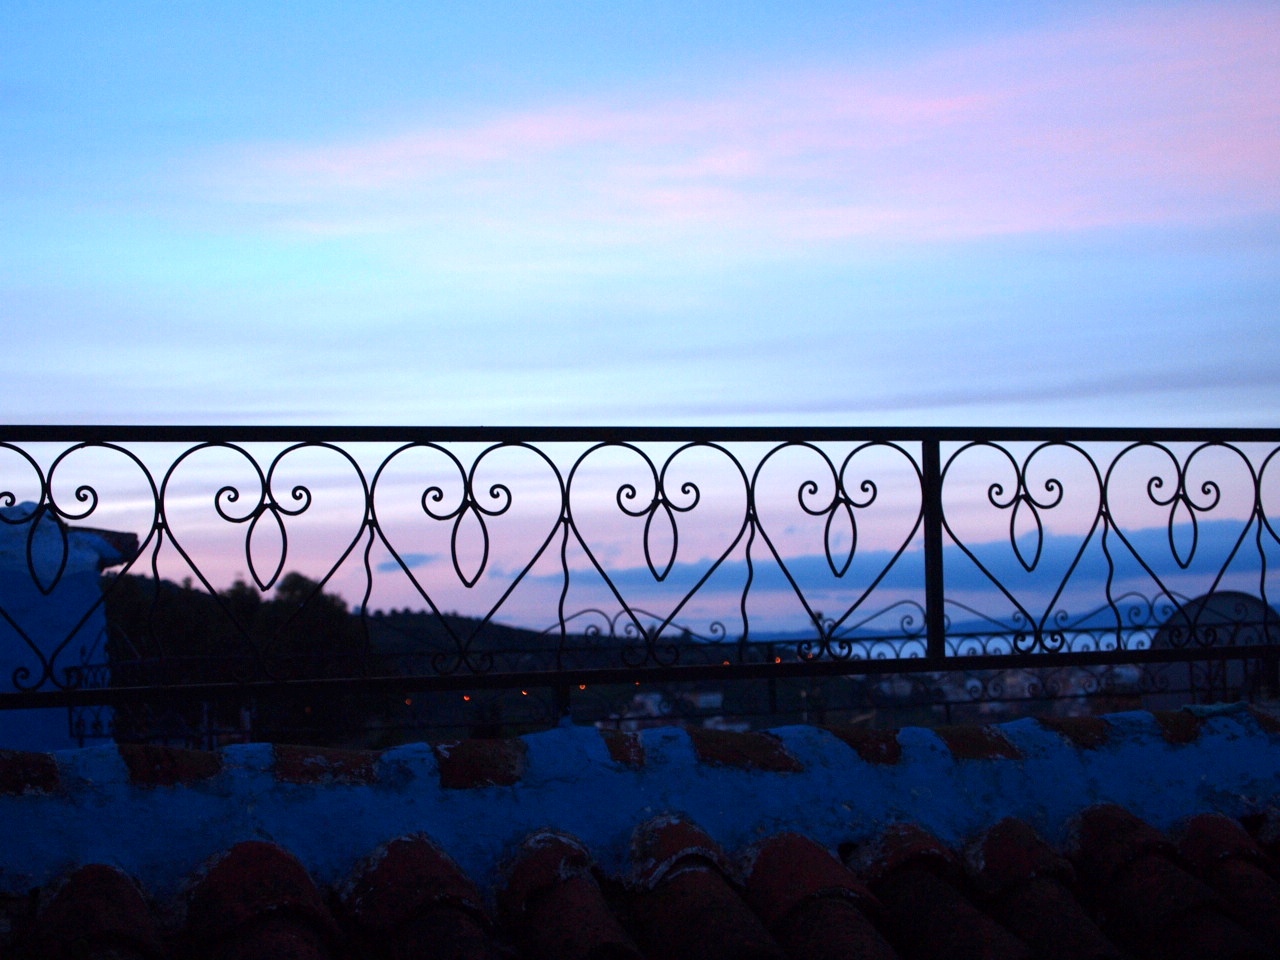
1119, 888
481, 763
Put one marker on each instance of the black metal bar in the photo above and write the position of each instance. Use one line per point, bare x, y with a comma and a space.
568, 679
167, 433
934, 585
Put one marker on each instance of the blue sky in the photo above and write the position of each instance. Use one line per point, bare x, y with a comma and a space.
409, 213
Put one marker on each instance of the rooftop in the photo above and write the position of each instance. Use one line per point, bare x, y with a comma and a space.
1155, 834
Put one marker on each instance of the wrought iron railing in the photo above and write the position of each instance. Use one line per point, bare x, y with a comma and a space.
486, 562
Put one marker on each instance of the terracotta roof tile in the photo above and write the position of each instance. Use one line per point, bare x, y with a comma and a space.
977, 743
1107, 838
546, 858
830, 929
873, 746
746, 872
670, 842
409, 899
157, 766
271, 936
901, 845
401, 878
1179, 726
684, 904
624, 748
811, 904
1045, 915
98, 912
1228, 859
1026, 886
555, 907
1009, 854
1087, 733
1264, 827
750, 751
785, 870
1210, 839
927, 915
468, 764
696, 913
1147, 902
257, 900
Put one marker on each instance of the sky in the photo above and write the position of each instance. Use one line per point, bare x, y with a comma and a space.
920, 213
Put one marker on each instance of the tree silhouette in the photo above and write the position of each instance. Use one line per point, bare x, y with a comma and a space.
162, 634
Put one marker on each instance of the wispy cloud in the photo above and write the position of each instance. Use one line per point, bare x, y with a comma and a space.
1163, 116
410, 560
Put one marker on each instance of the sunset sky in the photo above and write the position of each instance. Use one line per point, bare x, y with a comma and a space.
640, 213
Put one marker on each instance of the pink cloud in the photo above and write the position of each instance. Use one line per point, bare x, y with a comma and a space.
1170, 115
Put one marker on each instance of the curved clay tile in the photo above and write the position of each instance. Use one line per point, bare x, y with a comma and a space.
1211, 838
1226, 857
686, 904
663, 843
810, 902
927, 917
257, 900
555, 906
98, 912
409, 899
1027, 887
901, 844
1106, 838
1264, 827
1148, 903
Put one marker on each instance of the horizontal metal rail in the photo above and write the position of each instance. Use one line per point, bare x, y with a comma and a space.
584, 679
255, 433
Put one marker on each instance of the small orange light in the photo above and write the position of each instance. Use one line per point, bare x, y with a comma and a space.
466, 697
408, 701
637, 683
582, 686
524, 693
725, 664
777, 659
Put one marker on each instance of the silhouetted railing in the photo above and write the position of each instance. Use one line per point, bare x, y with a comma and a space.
399, 563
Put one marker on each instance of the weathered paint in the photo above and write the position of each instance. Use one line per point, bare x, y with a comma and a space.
159, 829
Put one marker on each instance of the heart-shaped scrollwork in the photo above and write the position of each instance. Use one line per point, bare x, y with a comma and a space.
490, 530
60, 614
800, 496
216, 496
664, 539
1030, 496
1149, 486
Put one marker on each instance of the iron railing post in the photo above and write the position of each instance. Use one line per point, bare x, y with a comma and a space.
934, 594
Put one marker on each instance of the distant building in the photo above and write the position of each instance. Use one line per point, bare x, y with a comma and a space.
51, 617
1225, 618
